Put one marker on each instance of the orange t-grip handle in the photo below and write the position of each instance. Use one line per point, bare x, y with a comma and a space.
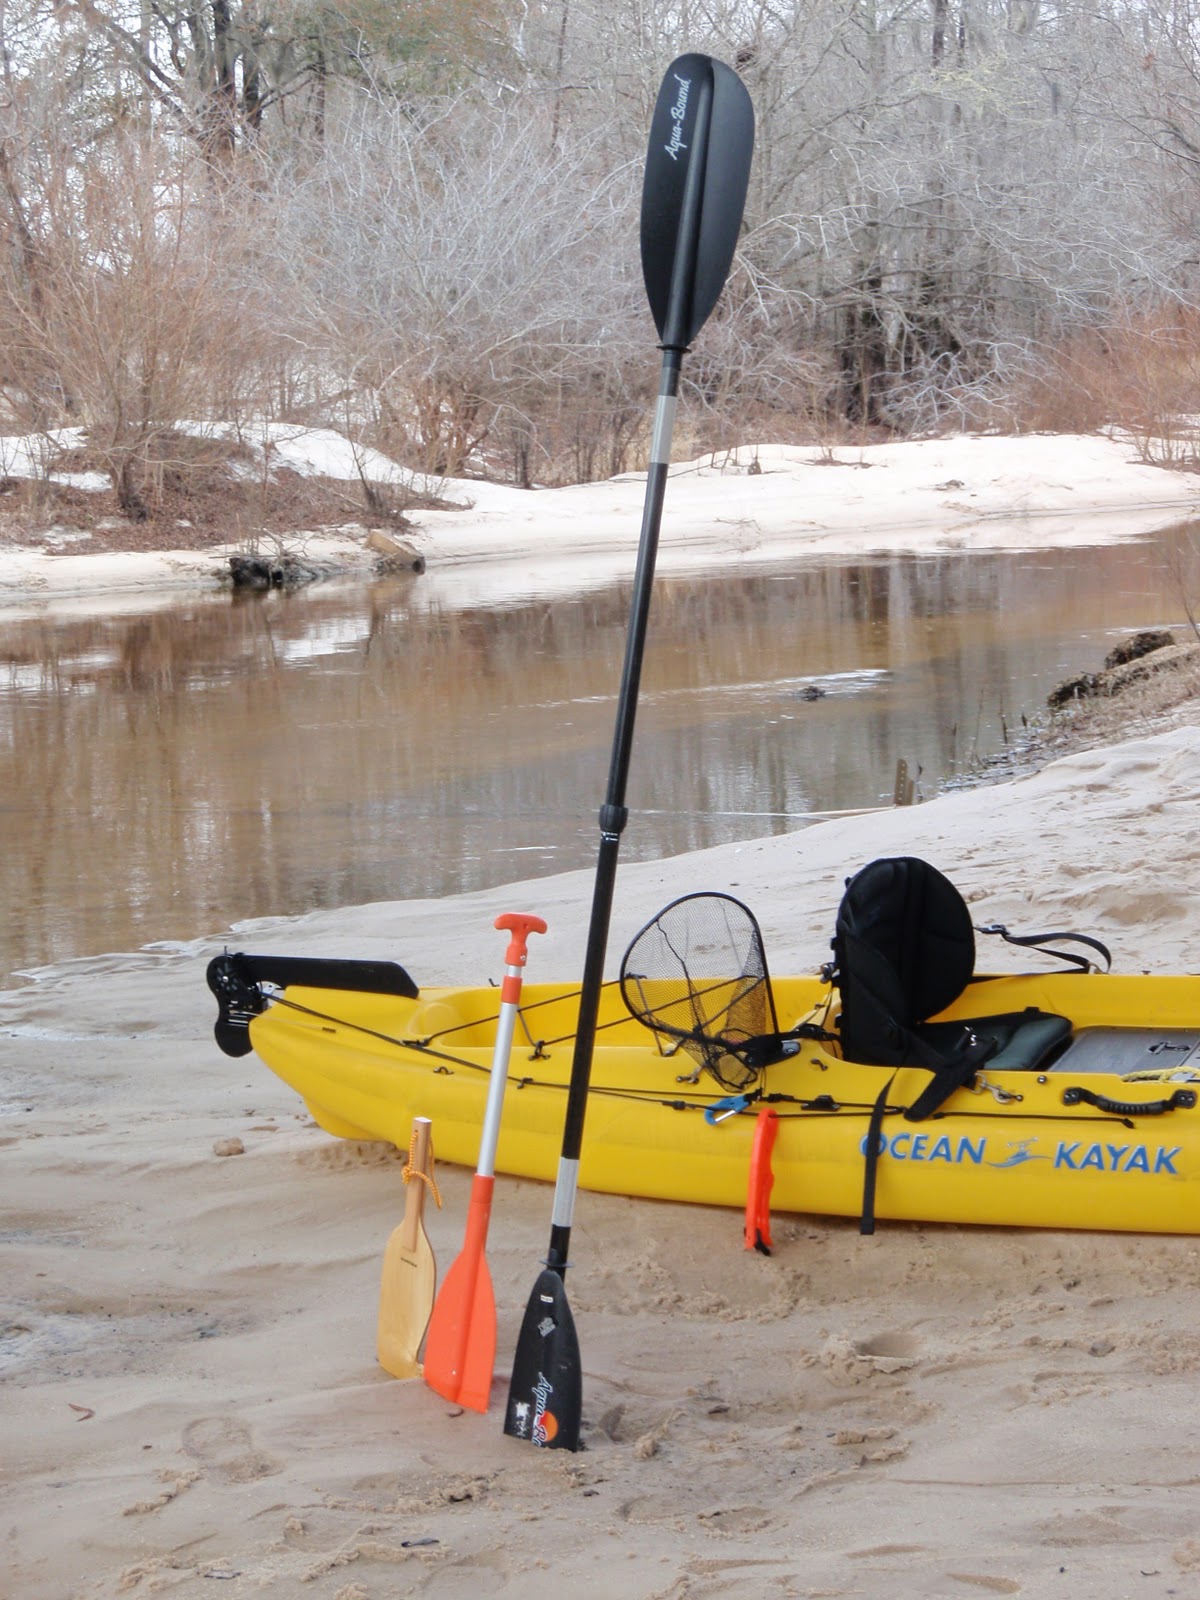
520, 924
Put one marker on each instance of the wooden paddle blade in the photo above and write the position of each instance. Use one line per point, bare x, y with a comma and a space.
545, 1398
405, 1302
460, 1351
409, 1271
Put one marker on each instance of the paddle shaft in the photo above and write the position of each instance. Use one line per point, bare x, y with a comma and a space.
479, 1207
505, 1027
692, 202
613, 817
414, 1187
614, 814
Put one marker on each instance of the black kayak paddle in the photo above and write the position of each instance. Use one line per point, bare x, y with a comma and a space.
693, 196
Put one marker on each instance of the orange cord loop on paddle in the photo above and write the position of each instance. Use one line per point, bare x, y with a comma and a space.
427, 1178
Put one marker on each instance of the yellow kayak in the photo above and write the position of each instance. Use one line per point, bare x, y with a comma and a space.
1103, 1132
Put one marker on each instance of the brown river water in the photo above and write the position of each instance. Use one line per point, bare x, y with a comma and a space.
170, 769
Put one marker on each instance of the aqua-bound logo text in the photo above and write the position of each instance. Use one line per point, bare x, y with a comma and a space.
675, 143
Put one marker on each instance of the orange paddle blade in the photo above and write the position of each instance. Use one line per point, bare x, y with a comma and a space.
460, 1350
460, 1355
409, 1272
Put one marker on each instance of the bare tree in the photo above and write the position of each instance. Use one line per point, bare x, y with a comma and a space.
215, 69
958, 212
124, 316
466, 276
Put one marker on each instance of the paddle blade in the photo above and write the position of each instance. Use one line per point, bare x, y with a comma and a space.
545, 1397
409, 1271
698, 94
460, 1349
405, 1302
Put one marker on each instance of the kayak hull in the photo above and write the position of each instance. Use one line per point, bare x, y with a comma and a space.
1017, 1148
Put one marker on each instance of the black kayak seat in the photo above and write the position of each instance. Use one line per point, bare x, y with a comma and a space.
904, 950
1011, 1041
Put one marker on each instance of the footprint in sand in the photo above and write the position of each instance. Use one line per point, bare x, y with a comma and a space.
224, 1447
851, 1361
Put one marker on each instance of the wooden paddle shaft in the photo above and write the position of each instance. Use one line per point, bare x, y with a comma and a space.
414, 1183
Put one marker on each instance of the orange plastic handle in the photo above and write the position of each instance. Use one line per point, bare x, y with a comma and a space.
520, 924
762, 1181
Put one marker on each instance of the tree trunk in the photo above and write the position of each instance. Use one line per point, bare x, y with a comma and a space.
220, 117
129, 493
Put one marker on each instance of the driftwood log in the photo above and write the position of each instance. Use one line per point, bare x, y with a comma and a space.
286, 571
275, 572
1141, 656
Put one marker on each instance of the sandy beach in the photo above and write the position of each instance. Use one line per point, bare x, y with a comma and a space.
189, 1394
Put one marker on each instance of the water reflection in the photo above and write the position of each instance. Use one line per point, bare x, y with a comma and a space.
167, 772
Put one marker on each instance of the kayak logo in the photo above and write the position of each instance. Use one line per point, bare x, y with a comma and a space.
678, 111
545, 1423
1117, 1158
535, 1421
1020, 1151
930, 1147
1067, 1157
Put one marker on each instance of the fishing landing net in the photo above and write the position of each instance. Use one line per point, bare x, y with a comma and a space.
697, 976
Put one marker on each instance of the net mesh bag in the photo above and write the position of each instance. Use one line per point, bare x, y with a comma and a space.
697, 975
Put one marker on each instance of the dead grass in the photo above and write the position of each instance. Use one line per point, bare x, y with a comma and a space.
226, 511
1137, 369
200, 494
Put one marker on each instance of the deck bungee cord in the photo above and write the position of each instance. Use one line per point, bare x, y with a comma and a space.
820, 1105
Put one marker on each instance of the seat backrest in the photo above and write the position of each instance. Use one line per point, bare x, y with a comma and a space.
904, 948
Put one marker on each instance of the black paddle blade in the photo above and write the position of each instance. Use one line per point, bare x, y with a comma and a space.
545, 1397
697, 94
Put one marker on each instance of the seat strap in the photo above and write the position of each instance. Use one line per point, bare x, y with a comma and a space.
1043, 942
764, 1049
951, 1074
866, 1223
